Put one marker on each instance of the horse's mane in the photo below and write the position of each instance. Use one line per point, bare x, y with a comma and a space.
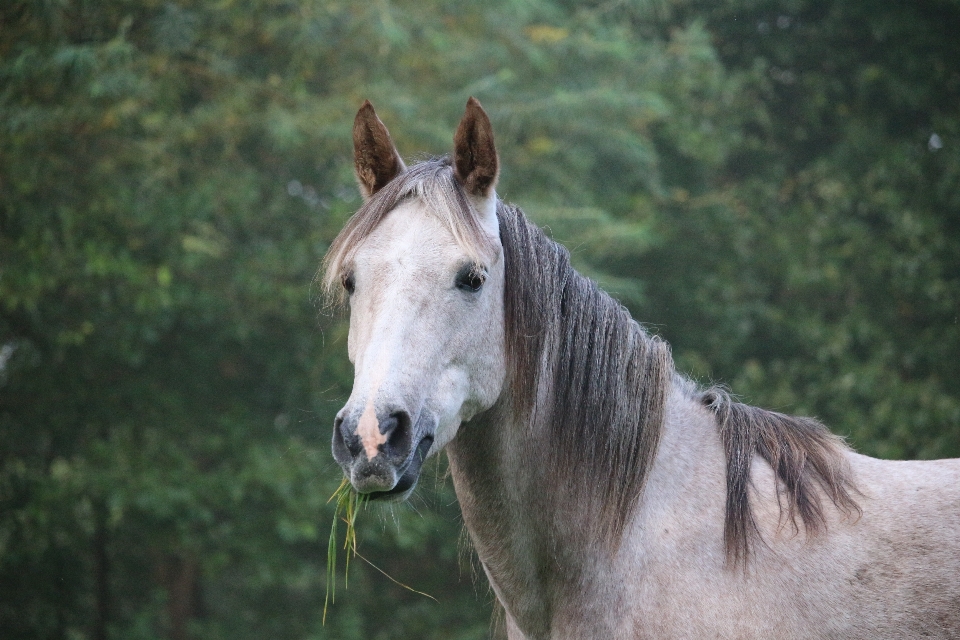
584, 371
581, 367
801, 451
594, 382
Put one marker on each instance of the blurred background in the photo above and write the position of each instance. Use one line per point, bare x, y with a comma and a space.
774, 187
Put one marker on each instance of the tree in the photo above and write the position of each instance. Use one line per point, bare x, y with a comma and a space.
821, 250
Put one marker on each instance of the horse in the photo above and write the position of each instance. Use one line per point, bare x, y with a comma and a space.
606, 495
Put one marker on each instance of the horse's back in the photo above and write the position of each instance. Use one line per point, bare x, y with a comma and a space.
890, 571
905, 548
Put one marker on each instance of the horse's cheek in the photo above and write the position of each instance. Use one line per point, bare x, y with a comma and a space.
448, 402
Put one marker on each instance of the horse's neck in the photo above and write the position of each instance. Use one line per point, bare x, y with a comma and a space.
505, 503
536, 547
505, 500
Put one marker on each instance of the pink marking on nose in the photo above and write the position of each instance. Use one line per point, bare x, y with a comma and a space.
369, 431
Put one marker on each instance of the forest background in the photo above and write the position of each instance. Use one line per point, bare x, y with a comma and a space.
772, 186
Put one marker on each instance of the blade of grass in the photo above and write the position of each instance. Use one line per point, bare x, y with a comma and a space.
394, 580
348, 506
331, 569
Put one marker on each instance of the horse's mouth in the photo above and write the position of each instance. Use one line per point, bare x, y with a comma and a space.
409, 476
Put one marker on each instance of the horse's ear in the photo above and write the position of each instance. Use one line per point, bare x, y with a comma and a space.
474, 155
375, 158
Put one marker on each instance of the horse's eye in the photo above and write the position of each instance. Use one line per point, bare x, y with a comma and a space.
471, 278
348, 283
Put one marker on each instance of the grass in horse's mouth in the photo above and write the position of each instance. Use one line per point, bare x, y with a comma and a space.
349, 503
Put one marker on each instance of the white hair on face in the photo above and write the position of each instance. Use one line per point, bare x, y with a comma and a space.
433, 183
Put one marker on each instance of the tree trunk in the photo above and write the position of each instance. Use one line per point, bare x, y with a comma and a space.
178, 576
101, 575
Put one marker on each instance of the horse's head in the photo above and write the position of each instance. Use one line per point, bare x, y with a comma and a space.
422, 267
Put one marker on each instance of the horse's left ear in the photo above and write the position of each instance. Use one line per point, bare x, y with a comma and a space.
475, 161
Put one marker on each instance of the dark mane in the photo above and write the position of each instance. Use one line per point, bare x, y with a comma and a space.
595, 383
806, 458
583, 371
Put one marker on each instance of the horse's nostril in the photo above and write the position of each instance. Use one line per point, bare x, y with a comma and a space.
399, 434
344, 437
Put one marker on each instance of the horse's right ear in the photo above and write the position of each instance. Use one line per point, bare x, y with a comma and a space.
375, 158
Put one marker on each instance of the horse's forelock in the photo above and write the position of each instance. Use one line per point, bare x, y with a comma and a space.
432, 182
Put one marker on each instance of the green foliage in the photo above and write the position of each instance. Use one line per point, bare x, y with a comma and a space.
772, 186
824, 246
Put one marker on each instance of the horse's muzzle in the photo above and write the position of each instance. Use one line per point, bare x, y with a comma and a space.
382, 459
